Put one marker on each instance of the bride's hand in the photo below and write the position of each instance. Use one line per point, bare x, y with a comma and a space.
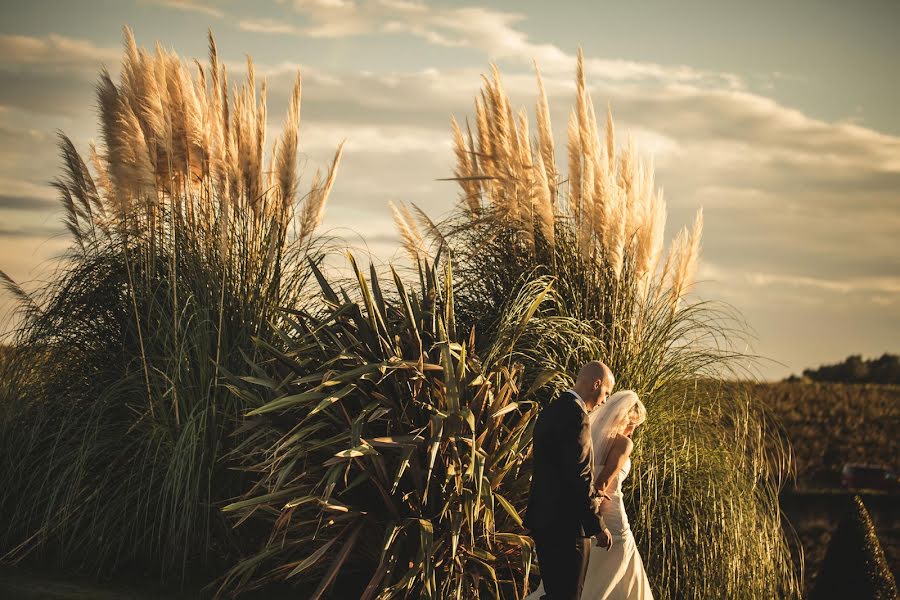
601, 495
604, 539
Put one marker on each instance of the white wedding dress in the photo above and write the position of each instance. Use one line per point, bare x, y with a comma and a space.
617, 574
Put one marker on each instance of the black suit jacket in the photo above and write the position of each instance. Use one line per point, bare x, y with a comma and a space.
561, 497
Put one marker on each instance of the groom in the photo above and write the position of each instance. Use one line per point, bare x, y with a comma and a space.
561, 513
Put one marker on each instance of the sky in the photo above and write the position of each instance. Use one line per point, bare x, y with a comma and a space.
778, 118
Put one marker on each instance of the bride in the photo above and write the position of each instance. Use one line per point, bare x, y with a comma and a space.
617, 573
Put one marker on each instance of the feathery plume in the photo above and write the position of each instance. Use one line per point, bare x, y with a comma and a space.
544, 201
286, 158
684, 255
575, 186
610, 139
314, 207
465, 169
485, 143
431, 229
545, 136
616, 211
413, 242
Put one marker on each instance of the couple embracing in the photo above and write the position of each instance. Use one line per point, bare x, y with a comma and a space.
582, 448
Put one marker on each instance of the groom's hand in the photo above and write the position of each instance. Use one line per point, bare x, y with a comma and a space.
604, 539
601, 495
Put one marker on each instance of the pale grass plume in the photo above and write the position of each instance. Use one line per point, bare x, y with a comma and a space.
581, 110
411, 237
650, 235
545, 137
100, 180
524, 181
172, 128
610, 138
684, 257
432, 230
181, 147
584, 155
614, 240
573, 145
611, 199
627, 176
286, 157
314, 205
485, 143
465, 168
544, 200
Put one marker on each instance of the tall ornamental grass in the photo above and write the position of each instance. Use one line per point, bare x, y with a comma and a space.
114, 422
709, 463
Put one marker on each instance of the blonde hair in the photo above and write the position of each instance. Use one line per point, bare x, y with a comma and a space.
610, 419
636, 416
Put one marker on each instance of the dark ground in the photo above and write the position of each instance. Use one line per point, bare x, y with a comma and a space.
814, 516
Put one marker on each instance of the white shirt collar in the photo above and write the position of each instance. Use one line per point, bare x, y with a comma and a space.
579, 401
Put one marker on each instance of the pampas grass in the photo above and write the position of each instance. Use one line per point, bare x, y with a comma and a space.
114, 418
708, 463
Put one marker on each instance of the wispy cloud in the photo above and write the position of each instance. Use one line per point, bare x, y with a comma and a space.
27, 203
196, 6
879, 285
493, 32
270, 26
53, 49
37, 232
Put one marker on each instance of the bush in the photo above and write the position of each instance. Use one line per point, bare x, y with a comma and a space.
389, 452
855, 566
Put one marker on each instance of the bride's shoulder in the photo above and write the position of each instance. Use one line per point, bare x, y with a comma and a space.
625, 443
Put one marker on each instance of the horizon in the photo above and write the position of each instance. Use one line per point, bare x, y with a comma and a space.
777, 122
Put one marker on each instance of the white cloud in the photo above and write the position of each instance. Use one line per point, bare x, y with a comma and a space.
270, 26
878, 285
196, 6
55, 50
490, 31
376, 139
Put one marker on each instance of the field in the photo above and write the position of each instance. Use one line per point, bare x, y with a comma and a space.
829, 425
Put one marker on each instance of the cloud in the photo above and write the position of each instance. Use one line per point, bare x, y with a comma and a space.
877, 285
38, 232
53, 50
269, 26
52, 74
195, 6
489, 31
26, 203
376, 139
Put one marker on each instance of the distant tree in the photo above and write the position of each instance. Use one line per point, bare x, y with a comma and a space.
855, 565
855, 369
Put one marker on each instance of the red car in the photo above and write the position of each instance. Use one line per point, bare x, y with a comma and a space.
873, 477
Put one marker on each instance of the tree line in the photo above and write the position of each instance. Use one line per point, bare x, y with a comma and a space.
854, 369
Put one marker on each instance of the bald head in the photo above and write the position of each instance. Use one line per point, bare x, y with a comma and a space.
594, 383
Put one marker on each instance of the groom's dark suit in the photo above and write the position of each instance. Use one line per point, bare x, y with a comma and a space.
560, 511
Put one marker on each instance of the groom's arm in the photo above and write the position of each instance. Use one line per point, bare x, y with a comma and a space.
576, 441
